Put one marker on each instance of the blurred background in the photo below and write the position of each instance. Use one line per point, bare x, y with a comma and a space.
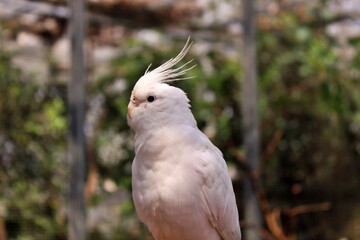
308, 68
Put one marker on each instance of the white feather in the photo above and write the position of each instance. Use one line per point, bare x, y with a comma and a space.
165, 73
181, 186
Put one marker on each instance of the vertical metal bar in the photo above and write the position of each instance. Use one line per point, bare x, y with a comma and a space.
76, 148
250, 114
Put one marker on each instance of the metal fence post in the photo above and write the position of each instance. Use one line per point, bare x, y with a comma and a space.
76, 96
250, 114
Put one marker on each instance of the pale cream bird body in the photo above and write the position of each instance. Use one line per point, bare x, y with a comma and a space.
181, 186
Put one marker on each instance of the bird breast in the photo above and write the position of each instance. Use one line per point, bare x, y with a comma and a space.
167, 180
163, 187
168, 200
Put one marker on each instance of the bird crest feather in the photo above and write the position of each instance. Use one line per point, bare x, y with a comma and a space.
165, 73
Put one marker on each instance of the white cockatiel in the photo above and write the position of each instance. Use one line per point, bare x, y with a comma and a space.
181, 186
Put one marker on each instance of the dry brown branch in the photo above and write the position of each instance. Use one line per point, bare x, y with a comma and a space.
271, 222
93, 120
315, 207
272, 145
131, 13
2, 228
272, 216
93, 173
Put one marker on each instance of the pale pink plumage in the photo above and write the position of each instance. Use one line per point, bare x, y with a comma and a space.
181, 186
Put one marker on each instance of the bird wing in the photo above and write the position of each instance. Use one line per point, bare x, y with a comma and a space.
217, 194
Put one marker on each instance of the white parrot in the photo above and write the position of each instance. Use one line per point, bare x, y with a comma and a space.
181, 186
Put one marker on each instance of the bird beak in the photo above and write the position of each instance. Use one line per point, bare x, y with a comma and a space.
135, 102
132, 105
130, 108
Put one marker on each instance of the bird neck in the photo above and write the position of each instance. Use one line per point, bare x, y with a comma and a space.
152, 140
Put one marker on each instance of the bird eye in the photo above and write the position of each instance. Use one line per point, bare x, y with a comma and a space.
150, 98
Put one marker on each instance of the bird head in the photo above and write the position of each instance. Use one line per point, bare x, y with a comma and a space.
154, 103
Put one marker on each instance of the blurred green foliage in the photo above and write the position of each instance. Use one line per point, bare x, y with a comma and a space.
307, 92
32, 154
